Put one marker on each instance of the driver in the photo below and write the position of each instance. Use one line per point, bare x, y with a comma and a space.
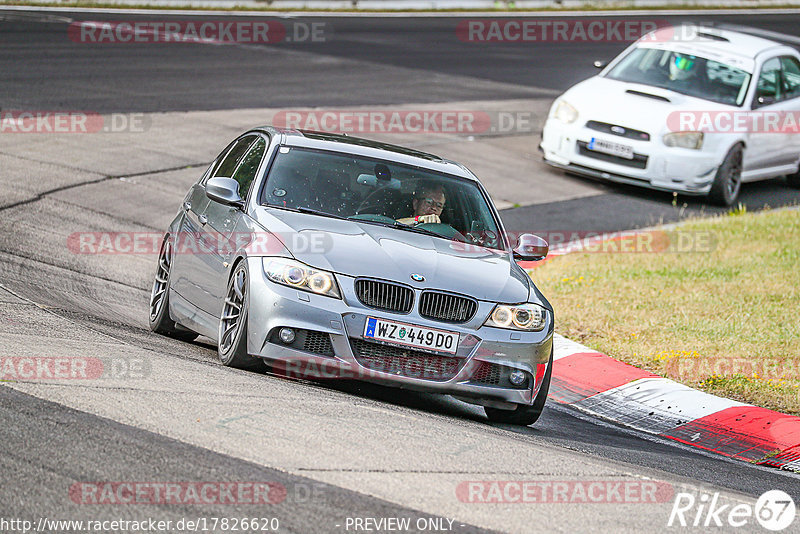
428, 203
683, 67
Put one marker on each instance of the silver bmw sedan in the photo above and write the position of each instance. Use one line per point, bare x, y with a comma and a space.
325, 256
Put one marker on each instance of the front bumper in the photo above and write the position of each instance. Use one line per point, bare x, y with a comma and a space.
656, 166
475, 372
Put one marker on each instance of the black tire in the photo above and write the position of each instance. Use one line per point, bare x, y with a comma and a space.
728, 181
524, 414
160, 321
232, 347
793, 180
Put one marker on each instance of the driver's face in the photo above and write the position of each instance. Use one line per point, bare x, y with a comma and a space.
429, 203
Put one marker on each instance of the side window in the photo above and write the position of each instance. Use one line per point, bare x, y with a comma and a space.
206, 174
210, 172
246, 171
769, 82
791, 76
228, 164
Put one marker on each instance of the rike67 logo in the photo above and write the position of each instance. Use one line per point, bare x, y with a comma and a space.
774, 510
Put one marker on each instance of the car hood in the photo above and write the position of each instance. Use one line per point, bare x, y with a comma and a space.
355, 248
606, 100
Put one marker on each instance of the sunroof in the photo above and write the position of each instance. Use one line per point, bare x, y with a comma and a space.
340, 138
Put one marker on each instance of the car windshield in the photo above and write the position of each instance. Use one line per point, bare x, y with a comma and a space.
380, 192
683, 73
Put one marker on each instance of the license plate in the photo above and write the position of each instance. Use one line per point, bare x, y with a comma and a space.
607, 147
411, 335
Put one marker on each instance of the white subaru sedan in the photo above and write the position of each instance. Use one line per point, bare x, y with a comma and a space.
686, 109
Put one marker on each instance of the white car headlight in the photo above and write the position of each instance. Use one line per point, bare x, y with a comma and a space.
298, 275
530, 317
565, 112
684, 140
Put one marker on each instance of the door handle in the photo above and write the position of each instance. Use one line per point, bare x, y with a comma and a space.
203, 219
187, 206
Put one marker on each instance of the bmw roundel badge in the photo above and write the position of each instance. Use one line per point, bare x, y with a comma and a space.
417, 277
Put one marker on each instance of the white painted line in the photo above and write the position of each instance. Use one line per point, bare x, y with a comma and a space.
563, 347
654, 405
794, 465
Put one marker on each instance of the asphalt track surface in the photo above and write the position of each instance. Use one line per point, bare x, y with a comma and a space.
44, 69
357, 61
370, 451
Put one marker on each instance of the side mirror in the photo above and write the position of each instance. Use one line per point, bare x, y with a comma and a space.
225, 191
530, 247
765, 100
600, 64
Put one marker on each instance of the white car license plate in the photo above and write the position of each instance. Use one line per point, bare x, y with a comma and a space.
607, 147
411, 335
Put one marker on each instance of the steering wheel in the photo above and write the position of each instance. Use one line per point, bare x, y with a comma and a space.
370, 202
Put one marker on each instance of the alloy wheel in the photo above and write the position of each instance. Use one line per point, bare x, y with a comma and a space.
161, 282
734, 180
231, 319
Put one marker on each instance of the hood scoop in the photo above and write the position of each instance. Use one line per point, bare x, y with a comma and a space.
648, 95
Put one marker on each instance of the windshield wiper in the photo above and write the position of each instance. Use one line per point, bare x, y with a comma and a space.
407, 227
394, 224
312, 211
309, 211
416, 229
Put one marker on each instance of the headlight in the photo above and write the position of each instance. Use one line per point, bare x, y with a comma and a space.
565, 112
300, 276
518, 317
684, 140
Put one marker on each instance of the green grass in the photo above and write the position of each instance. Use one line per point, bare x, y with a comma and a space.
725, 319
